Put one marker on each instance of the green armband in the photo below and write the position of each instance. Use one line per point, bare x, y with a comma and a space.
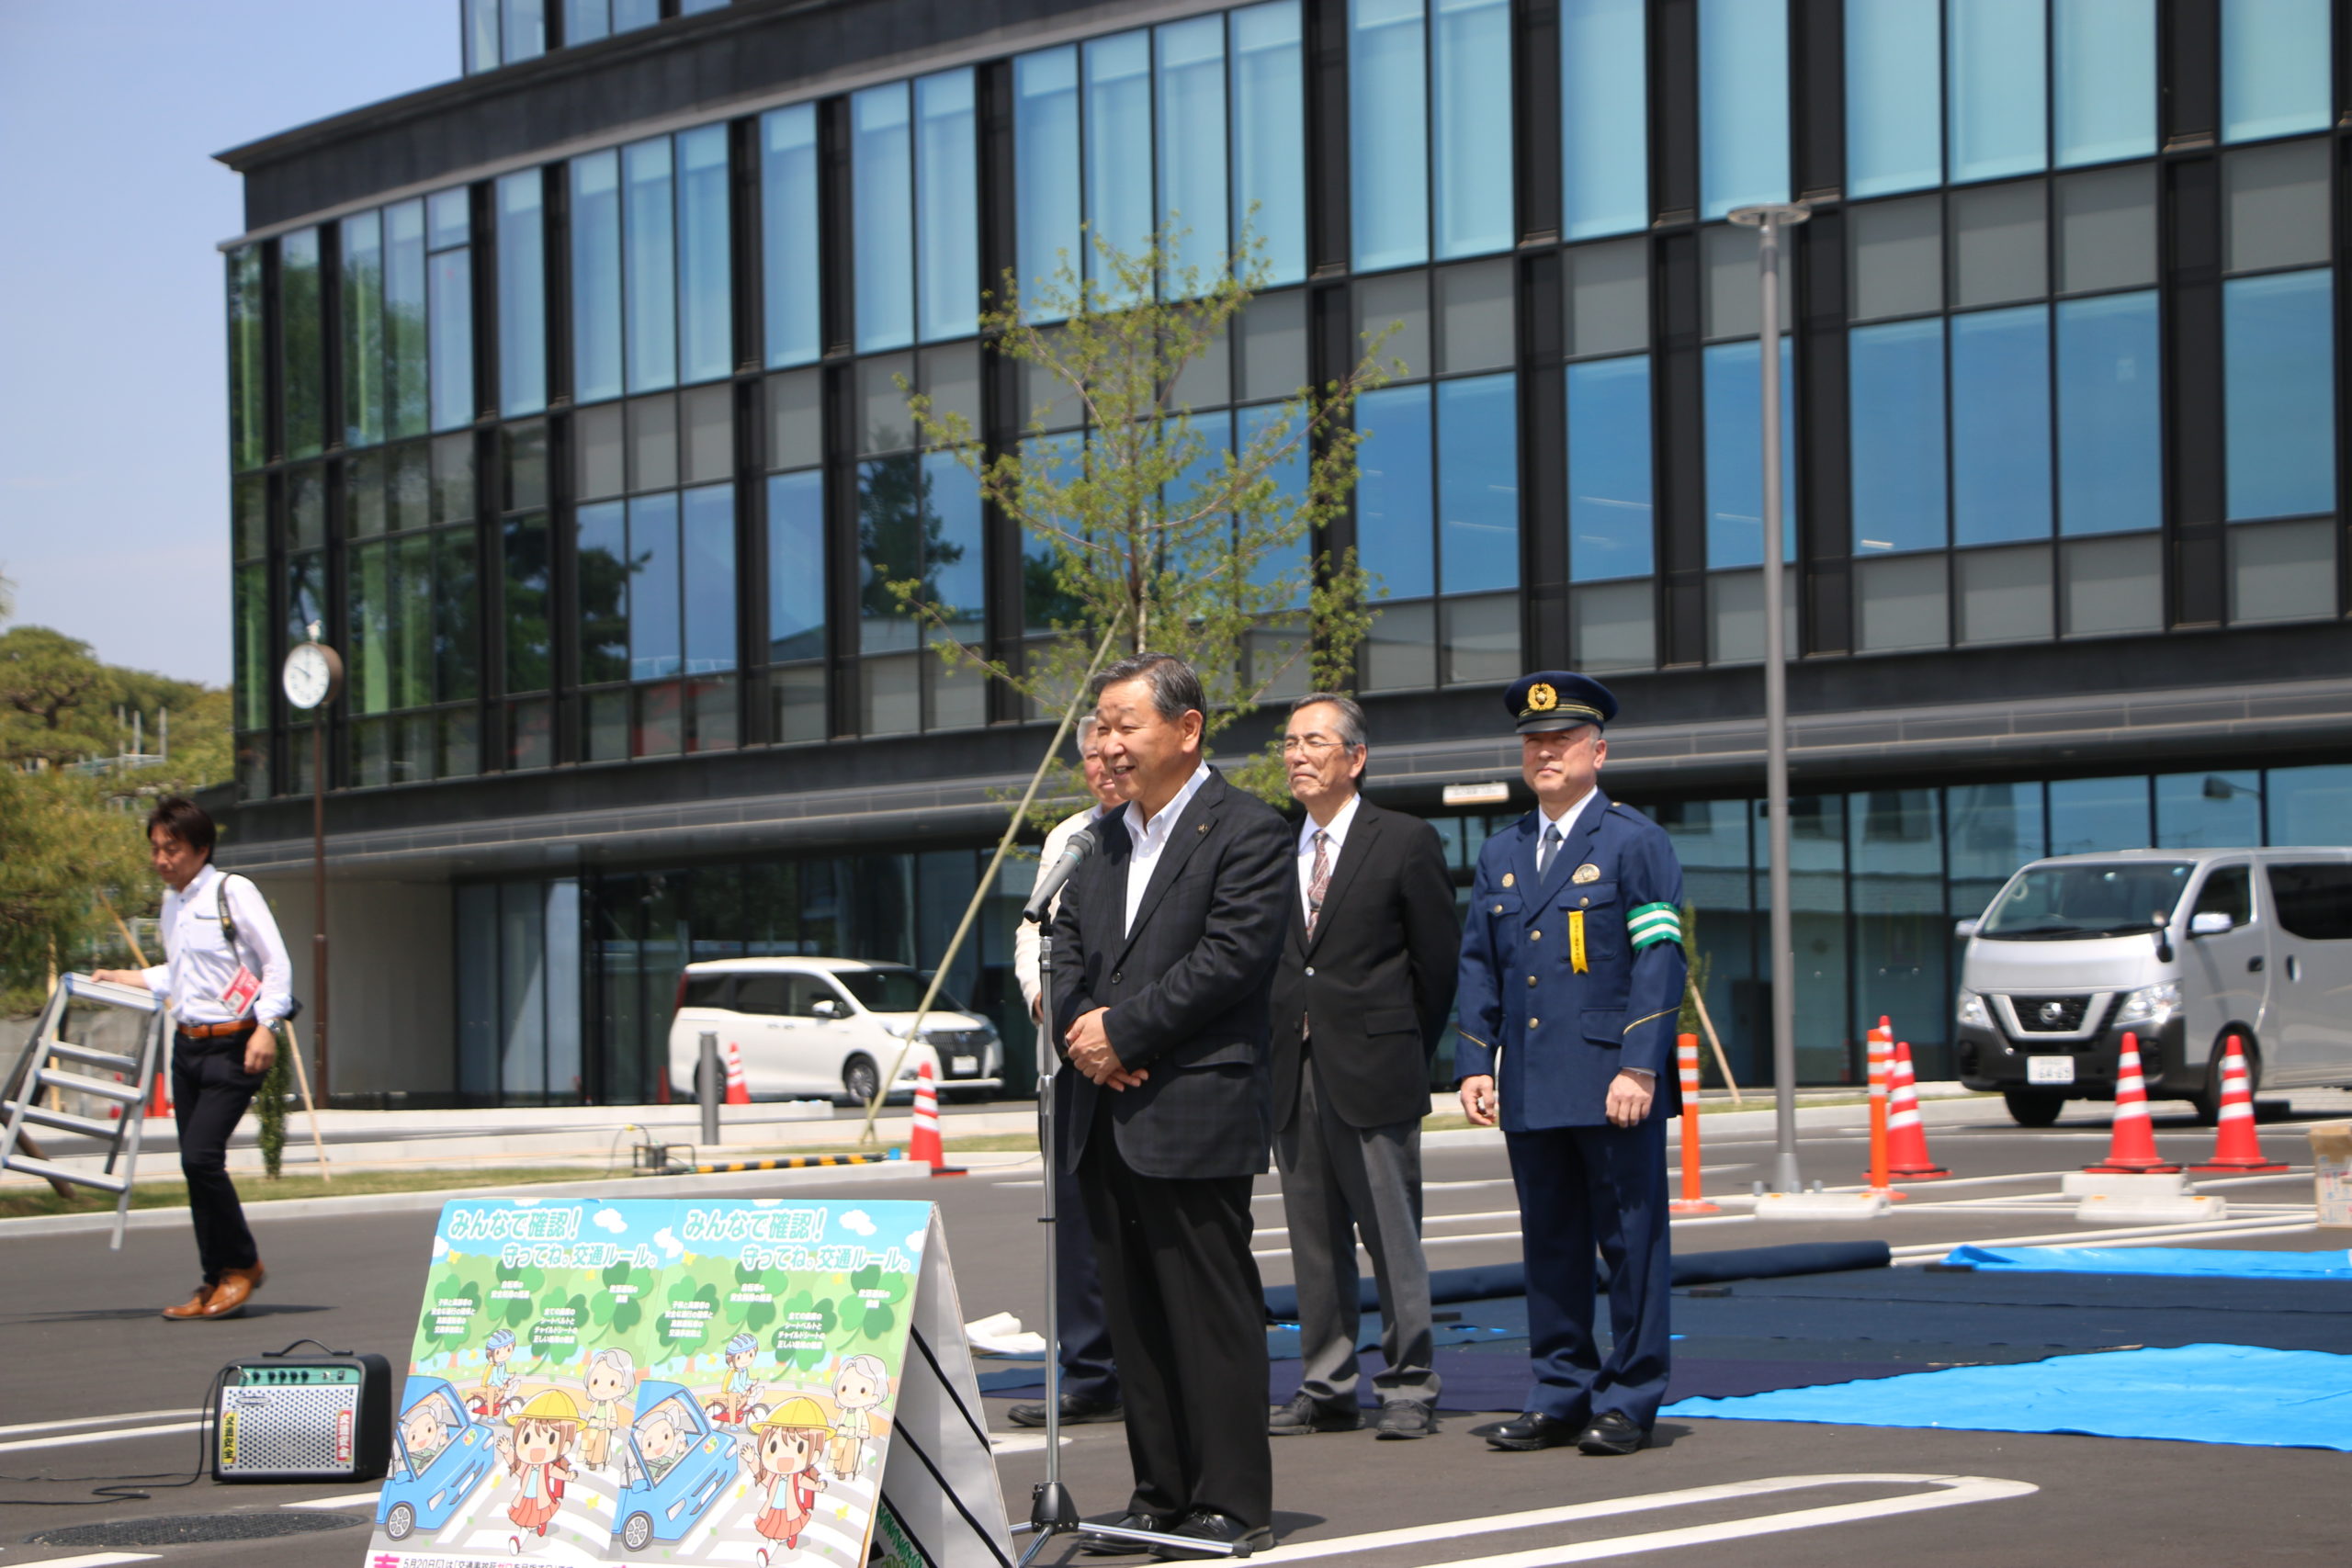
1652, 923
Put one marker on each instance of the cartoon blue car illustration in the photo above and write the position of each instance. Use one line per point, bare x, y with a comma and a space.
439, 1454
676, 1465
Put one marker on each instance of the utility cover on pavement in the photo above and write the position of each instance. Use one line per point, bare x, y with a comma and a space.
173, 1529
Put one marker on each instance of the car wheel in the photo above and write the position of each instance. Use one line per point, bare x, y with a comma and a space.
861, 1079
2208, 1099
638, 1534
2034, 1108
400, 1522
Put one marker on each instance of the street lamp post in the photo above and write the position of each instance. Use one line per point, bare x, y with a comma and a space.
1768, 221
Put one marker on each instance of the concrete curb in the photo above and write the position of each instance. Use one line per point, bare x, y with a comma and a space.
427, 1202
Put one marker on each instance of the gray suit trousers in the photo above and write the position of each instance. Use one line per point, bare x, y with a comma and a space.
1341, 1181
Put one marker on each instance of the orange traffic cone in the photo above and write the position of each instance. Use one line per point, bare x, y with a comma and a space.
1907, 1140
2235, 1147
2132, 1147
1881, 1057
739, 1088
159, 1094
922, 1139
1686, 1061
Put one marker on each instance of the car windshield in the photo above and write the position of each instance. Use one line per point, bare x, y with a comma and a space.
893, 990
2068, 903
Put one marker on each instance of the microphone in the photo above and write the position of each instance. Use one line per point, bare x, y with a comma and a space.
1049, 882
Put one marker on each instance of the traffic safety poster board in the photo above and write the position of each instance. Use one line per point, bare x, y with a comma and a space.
760, 1383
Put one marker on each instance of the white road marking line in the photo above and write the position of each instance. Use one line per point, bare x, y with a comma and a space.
2091, 1236
349, 1500
1019, 1443
90, 1559
1953, 1490
99, 1436
96, 1421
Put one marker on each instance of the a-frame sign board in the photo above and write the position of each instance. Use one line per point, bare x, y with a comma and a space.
762, 1383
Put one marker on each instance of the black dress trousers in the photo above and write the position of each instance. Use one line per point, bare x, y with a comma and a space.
210, 1089
1188, 1323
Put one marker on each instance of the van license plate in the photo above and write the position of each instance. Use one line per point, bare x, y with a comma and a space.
2050, 1070
964, 1065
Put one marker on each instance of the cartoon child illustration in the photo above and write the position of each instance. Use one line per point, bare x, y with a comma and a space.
782, 1456
535, 1455
861, 1385
611, 1376
499, 1381
735, 1394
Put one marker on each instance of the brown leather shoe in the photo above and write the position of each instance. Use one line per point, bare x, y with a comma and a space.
192, 1307
236, 1284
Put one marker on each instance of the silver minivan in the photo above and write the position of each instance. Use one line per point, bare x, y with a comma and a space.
2182, 948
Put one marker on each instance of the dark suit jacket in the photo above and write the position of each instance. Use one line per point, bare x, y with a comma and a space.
1186, 989
1378, 976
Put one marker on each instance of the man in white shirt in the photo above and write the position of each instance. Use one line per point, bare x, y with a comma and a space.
225, 980
1089, 1375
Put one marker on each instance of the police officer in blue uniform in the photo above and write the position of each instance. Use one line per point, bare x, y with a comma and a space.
1572, 976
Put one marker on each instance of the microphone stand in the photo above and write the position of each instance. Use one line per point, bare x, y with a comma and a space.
1052, 1511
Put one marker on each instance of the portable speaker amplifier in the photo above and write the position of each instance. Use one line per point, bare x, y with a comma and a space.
304, 1418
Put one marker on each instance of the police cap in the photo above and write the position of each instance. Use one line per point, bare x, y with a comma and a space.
1558, 699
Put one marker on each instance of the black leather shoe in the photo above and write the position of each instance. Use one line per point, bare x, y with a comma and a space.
1207, 1525
1405, 1418
1076, 1412
1302, 1414
1099, 1546
1529, 1432
1612, 1432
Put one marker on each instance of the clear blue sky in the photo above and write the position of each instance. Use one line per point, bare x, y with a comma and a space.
114, 488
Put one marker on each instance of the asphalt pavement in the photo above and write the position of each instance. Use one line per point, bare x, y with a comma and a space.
94, 1386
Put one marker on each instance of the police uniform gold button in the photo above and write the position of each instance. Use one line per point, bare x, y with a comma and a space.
1582, 902
1533, 1021
1531, 979
1536, 936
1498, 909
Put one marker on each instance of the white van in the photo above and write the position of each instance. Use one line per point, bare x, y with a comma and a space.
829, 1027
2180, 947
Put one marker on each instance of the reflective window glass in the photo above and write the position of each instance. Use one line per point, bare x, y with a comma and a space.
1609, 296
596, 276
2282, 571
650, 292
1995, 53
586, 21
789, 298
404, 335
2110, 417
1604, 114
2212, 810
409, 495
1475, 317
1398, 307
1999, 249
248, 434
2275, 207
1898, 260
706, 549
882, 179
705, 435
2000, 425
653, 631
528, 661
652, 443
1118, 146
705, 310
452, 478
601, 556
1045, 142
1893, 96
1734, 455
1190, 144
2110, 586
1272, 339
955, 578
631, 15
481, 41
524, 468
302, 346
2308, 805
522, 296
363, 329
796, 420
2275, 56
796, 566
1478, 484
1388, 133
2104, 87
1393, 489
2107, 228
1470, 124
2279, 371
948, 206
601, 467
1610, 532
1897, 421
450, 287
525, 30
1743, 104
1268, 136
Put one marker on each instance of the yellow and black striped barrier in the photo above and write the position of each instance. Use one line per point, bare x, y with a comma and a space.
791, 1162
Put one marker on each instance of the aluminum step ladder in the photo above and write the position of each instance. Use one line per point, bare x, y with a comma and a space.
49, 1062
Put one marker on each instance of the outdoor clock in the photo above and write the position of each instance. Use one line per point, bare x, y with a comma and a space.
313, 675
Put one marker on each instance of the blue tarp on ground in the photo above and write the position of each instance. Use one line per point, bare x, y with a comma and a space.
2173, 1261
2196, 1393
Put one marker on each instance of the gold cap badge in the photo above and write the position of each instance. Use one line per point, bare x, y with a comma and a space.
1542, 698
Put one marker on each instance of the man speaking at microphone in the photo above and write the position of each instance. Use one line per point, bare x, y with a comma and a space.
1164, 955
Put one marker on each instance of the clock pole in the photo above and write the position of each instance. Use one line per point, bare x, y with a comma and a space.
319, 883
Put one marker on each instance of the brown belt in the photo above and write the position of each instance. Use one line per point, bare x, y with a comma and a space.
217, 1031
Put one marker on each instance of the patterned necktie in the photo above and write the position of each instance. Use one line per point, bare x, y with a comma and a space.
1318, 881
1546, 850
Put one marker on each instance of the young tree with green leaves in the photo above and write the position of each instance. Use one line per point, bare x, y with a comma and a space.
1140, 521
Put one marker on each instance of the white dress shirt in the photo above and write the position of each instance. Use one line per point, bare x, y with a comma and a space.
1565, 822
1025, 936
1338, 834
197, 961
1150, 838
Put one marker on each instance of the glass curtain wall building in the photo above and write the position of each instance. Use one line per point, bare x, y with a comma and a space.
570, 403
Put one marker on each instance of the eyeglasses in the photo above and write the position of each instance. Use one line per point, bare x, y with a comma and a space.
1293, 745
